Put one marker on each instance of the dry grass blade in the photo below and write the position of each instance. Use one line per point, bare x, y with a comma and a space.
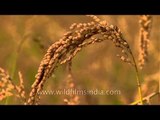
146, 99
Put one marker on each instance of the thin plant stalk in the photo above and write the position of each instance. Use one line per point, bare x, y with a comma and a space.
138, 79
15, 63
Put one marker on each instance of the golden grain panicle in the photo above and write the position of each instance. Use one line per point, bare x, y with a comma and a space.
80, 35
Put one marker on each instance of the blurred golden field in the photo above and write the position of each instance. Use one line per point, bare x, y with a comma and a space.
24, 39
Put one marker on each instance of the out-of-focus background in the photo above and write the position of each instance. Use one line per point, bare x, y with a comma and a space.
95, 67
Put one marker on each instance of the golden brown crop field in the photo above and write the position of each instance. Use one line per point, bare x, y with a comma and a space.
80, 59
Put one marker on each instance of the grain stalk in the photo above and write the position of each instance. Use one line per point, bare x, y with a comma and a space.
138, 80
79, 36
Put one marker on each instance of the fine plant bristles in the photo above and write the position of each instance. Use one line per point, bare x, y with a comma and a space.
7, 87
80, 35
145, 29
71, 99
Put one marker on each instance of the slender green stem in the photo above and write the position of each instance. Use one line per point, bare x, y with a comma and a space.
15, 64
139, 85
138, 80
